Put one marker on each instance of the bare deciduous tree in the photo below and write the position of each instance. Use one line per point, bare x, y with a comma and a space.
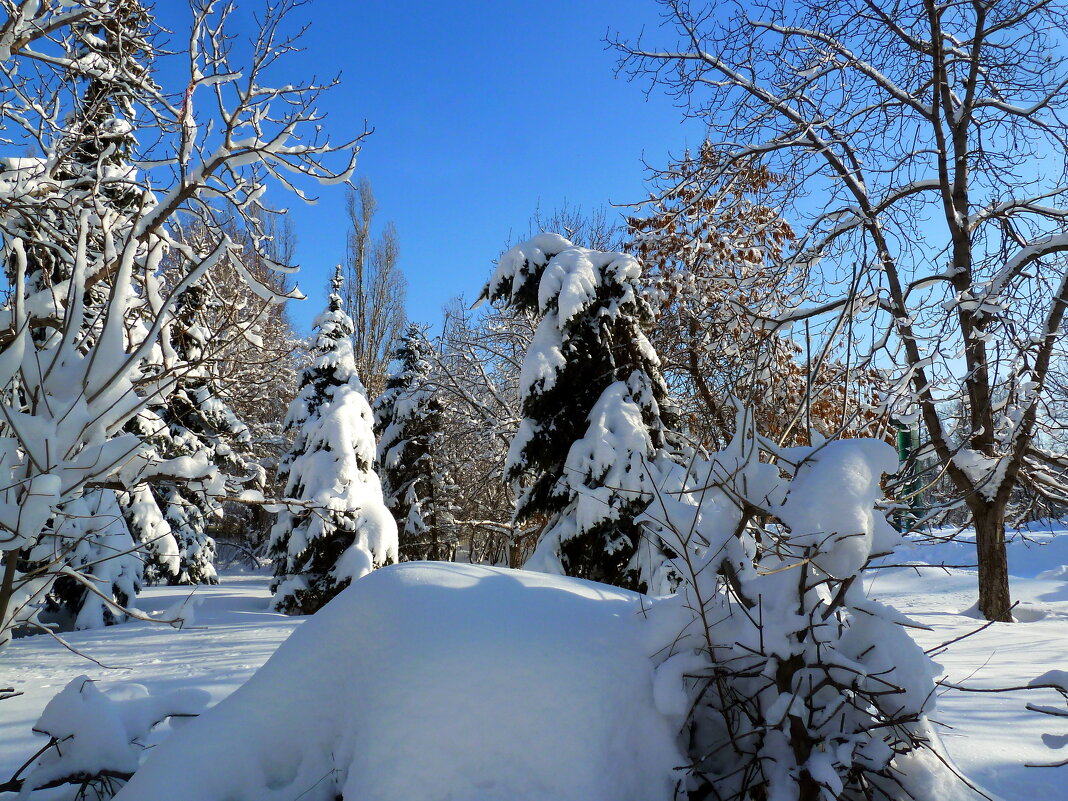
252, 356
714, 259
85, 346
375, 288
597, 229
476, 375
924, 147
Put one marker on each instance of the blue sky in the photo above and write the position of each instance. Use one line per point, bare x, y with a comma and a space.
481, 110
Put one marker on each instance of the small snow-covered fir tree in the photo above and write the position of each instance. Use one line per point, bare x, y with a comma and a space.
91, 533
595, 424
408, 420
341, 528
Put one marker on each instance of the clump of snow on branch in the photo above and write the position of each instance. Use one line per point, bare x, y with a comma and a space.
101, 733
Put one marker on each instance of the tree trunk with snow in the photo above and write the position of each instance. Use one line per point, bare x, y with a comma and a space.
994, 597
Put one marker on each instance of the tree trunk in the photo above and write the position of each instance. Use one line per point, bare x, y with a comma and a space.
7, 585
515, 561
994, 600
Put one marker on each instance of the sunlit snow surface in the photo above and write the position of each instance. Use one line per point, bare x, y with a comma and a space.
229, 635
438, 681
990, 737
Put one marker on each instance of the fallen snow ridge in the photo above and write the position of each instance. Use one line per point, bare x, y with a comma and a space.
438, 681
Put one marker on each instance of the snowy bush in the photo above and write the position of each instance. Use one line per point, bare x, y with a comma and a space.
90, 535
471, 683
96, 738
798, 687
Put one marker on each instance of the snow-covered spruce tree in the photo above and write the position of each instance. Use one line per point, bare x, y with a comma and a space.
157, 546
408, 420
339, 528
595, 425
111, 57
89, 157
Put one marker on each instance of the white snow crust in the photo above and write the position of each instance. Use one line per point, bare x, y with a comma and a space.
438, 681
989, 736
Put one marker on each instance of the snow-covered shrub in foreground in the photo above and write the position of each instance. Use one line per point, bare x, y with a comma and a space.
438, 680
791, 684
769, 676
97, 737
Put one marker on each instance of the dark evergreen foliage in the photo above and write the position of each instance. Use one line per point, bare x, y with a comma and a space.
408, 422
578, 353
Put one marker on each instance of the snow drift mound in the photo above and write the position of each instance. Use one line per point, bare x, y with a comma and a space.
437, 681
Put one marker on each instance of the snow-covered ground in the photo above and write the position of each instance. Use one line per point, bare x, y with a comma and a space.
228, 636
991, 737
